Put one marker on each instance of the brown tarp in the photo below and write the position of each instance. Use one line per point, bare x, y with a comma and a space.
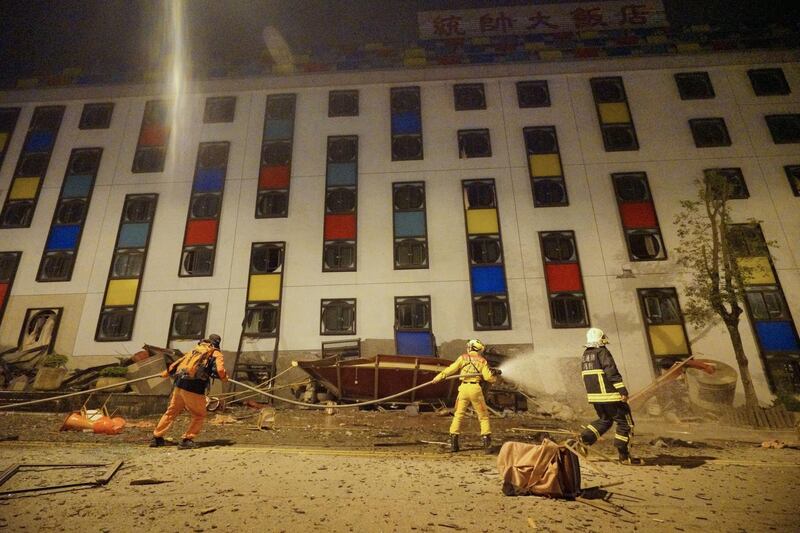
544, 470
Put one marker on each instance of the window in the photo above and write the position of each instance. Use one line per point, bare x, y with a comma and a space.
127, 264
149, 160
96, 116
343, 104
188, 321
533, 94
139, 208
342, 149
491, 312
33, 164
56, 266
664, 324
484, 250
558, 247
469, 96
568, 311
784, 129
694, 85
793, 175
219, 109
47, 118
614, 114
266, 258
339, 256
205, 206
709, 132
115, 325
338, 317
645, 245
272, 204
406, 118
85, 161
474, 143
410, 227
768, 81
197, 261
480, 195
410, 253
261, 320
412, 313
340, 201
18, 214
70, 212
544, 166
746, 240
737, 188
276, 153
8, 123
767, 304
39, 328
213, 155
409, 196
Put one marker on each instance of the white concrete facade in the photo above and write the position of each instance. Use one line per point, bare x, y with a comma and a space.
667, 154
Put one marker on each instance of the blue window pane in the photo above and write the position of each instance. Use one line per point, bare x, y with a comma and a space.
410, 224
406, 123
488, 280
40, 141
342, 174
278, 129
133, 235
209, 180
63, 237
414, 343
77, 186
777, 336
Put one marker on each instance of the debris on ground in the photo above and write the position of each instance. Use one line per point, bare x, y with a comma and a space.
669, 442
219, 420
149, 481
774, 444
554, 409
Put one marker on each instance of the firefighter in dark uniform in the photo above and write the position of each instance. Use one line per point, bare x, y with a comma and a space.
607, 393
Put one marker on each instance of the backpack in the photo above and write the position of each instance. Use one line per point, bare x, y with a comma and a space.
197, 364
546, 469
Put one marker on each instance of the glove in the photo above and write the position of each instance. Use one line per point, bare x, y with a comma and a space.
496, 371
438, 378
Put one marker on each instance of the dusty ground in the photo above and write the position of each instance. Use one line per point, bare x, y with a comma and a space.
369, 471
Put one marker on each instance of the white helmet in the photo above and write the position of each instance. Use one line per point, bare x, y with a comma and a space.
474, 345
595, 337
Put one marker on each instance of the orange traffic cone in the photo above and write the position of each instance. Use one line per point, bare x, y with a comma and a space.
75, 421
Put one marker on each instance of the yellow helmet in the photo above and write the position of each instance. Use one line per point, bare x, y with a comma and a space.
474, 345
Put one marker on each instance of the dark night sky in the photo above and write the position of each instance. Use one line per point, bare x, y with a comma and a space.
45, 36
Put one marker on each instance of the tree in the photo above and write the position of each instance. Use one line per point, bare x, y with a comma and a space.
709, 252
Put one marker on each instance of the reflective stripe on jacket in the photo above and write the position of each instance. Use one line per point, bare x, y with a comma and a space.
470, 363
216, 364
601, 378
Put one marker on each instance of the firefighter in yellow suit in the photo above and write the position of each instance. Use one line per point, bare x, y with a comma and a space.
470, 391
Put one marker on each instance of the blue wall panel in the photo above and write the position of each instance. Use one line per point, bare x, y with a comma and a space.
133, 235
63, 237
409, 224
341, 174
406, 123
777, 336
414, 343
209, 180
488, 280
77, 186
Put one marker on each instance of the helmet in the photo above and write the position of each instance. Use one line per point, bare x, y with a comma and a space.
595, 337
215, 340
474, 345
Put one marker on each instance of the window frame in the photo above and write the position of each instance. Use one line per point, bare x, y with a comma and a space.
403, 135
644, 292
424, 301
772, 126
732, 173
627, 232
753, 73
463, 134
398, 240
605, 127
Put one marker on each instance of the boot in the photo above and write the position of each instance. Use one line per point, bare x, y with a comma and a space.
454, 442
487, 443
187, 444
157, 442
626, 459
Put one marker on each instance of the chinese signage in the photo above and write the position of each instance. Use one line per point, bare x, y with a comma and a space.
547, 18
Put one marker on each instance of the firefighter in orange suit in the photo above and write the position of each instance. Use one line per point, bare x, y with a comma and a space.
470, 391
192, 374
607, 393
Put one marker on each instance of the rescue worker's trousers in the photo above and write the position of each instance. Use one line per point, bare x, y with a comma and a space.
609, 413
470, 393
180, 400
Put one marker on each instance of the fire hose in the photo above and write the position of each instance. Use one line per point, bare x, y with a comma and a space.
245, 385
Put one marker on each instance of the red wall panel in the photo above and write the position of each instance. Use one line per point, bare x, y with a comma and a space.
340, 227
274, 177
563, 277
638, 215
201, 232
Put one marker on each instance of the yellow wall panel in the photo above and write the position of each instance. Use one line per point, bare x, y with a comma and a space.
482, 221
756, 270
614, 113
668, 339
23, 189
545, 165
121, 292
3, 139
264, 288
